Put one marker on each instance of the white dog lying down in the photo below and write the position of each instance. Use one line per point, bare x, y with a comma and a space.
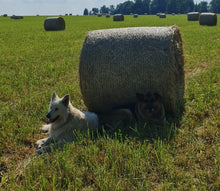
64, 120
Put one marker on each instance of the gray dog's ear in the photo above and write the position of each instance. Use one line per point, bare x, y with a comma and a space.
54, 96
66, 100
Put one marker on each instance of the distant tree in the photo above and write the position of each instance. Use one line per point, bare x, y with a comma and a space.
185, 6
125, 8
95, 11
112, 9
138, 7
203, 7
146, 6
86, 12
158, 6
104, 10
171, 6
215, 6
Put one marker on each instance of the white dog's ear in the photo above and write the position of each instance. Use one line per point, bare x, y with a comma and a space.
54, 96
66, 100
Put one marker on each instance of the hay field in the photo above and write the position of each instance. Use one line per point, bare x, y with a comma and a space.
34, 63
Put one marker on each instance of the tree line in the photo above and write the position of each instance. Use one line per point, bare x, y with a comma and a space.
156, 6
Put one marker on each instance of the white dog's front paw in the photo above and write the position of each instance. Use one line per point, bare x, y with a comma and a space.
45, 128
41, 142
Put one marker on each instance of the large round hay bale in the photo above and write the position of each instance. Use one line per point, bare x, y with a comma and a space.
16, 17
135, 15
209, 19
115, 64
118, 17
193, 16
162, 15
54, 23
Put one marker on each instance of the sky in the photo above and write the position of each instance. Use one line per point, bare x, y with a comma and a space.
54, 7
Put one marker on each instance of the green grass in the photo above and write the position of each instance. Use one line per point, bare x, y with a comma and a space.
34, 63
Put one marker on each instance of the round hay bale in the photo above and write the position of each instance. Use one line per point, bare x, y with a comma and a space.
118, 17
107, 15
209, 19
193, 16
115, 64
54, 23
135, 15
16, 17
162, 15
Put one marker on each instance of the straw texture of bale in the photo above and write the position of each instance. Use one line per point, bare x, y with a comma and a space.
115, 64
118, 17
54, 23
193, 16
209, 19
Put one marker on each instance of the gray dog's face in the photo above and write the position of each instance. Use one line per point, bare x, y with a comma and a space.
57, 107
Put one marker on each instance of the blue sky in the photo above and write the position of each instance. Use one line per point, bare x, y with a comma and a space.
53, 7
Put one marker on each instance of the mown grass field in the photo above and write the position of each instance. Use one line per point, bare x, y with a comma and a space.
34, 63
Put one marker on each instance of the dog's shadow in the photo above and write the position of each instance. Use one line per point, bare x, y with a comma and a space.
147, 131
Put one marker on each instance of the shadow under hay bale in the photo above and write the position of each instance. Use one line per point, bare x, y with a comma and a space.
54, 24
193, 16
115, 64
209, 19
118, 17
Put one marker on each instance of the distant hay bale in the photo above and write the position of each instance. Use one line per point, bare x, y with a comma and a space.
115, 64
118, 17
209, 19
135, 15
162, 15
54, 23
107, 16
16, 17
193, 16
99, 15
5, 15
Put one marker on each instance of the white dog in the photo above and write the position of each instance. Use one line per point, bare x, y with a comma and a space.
64, 120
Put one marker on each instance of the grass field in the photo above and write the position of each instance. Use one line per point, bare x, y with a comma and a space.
34, 63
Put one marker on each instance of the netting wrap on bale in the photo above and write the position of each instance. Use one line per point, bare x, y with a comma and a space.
54, 23
209, 19
193, 16
115, 64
